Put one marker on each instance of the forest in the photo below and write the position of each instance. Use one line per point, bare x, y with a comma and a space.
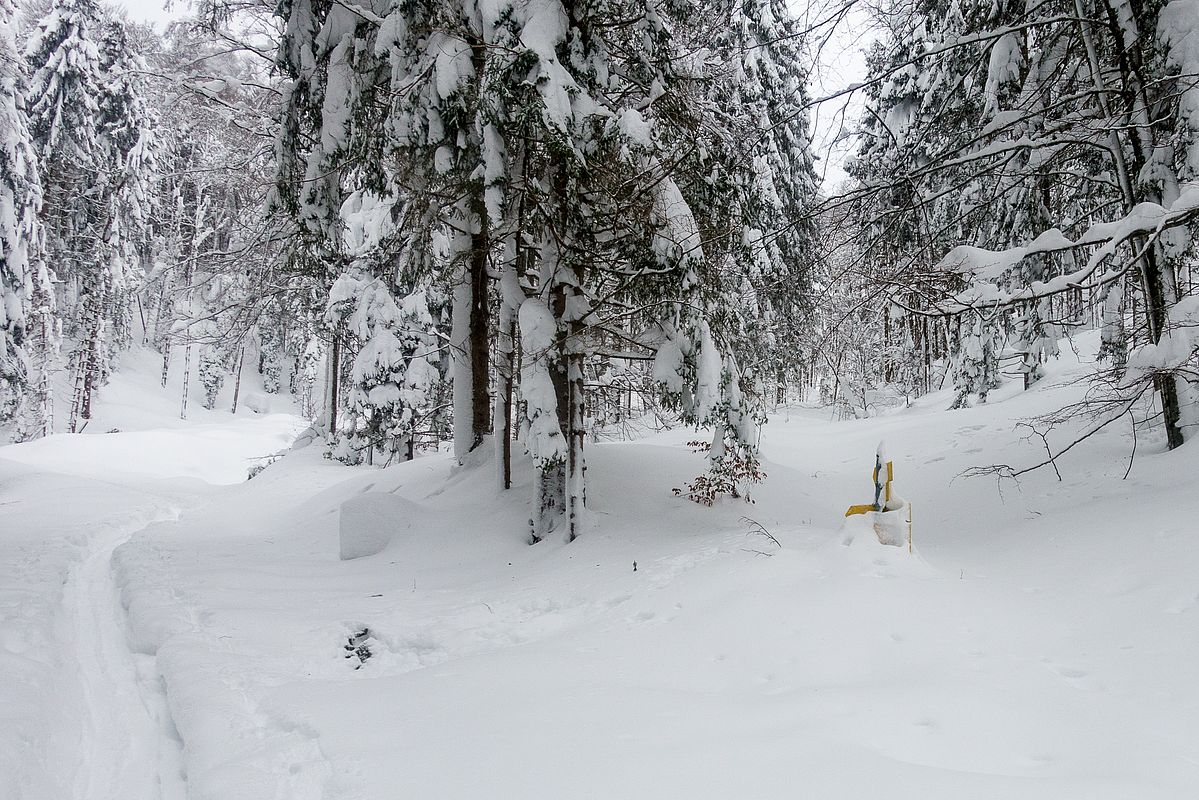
519, 226
599, 399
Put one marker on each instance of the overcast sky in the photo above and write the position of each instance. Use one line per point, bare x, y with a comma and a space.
842, 62
154, 10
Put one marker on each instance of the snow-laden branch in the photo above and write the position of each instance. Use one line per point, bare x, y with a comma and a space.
985, 267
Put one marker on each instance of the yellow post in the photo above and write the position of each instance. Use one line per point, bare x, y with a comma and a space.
882, 494
886, 485
909, 527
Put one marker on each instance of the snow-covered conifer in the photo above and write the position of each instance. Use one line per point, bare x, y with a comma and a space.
27, 341
976, 361
393, 372
211, 367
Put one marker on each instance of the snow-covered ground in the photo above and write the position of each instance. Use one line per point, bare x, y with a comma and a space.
169, 632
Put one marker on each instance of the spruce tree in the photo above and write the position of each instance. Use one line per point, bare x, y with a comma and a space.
90, 130
27, 340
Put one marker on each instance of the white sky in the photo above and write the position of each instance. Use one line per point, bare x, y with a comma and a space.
154, 11
842, 62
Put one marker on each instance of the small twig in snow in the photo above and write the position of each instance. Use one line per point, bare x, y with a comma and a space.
1132, 456
1052, 458
758, 529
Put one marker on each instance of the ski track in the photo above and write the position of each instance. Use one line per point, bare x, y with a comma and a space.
128, 748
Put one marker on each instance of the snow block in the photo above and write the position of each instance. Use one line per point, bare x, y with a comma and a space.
368, 522
307, 436
890, 527
257, 402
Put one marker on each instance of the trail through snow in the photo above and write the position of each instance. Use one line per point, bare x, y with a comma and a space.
84, 713
126, 724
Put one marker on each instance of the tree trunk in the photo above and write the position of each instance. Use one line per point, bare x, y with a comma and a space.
187, 367
1153, 282
469, 345
479, 336
334, 379
166, 358
241, 360
576, 486
502, 421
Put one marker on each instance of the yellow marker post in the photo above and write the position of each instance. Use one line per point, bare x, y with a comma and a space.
883, 498
882, 490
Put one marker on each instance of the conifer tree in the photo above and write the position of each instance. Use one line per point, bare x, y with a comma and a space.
395, 353
65, 83
554, 147
90, 129
27, 341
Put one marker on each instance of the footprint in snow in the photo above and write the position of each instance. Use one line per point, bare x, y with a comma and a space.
613, 602
1071, 675
1183, 606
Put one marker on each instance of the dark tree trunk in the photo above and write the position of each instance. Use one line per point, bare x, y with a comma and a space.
241, 359
479, 341
505, 344
334, 378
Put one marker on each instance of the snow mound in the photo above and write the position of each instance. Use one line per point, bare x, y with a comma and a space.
368, 522
217, 453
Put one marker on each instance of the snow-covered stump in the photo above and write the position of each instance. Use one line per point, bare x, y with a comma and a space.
369, 521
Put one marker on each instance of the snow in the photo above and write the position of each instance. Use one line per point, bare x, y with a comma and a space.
635, 128
538, 331
676, 239
367, 522
709, 377
1037, 643
367, 220
1105, 237
452, 64
339, 97
218, 453
668, 366
1178, 29
1003, 68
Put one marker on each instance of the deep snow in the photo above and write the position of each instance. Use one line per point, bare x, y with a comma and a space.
1040, 643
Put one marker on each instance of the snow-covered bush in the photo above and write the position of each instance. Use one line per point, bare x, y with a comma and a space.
394, 370
976, 363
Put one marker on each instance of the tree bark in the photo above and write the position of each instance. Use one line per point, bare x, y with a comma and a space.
470, 342
334, 379
241, 360
479, 339
502, 421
